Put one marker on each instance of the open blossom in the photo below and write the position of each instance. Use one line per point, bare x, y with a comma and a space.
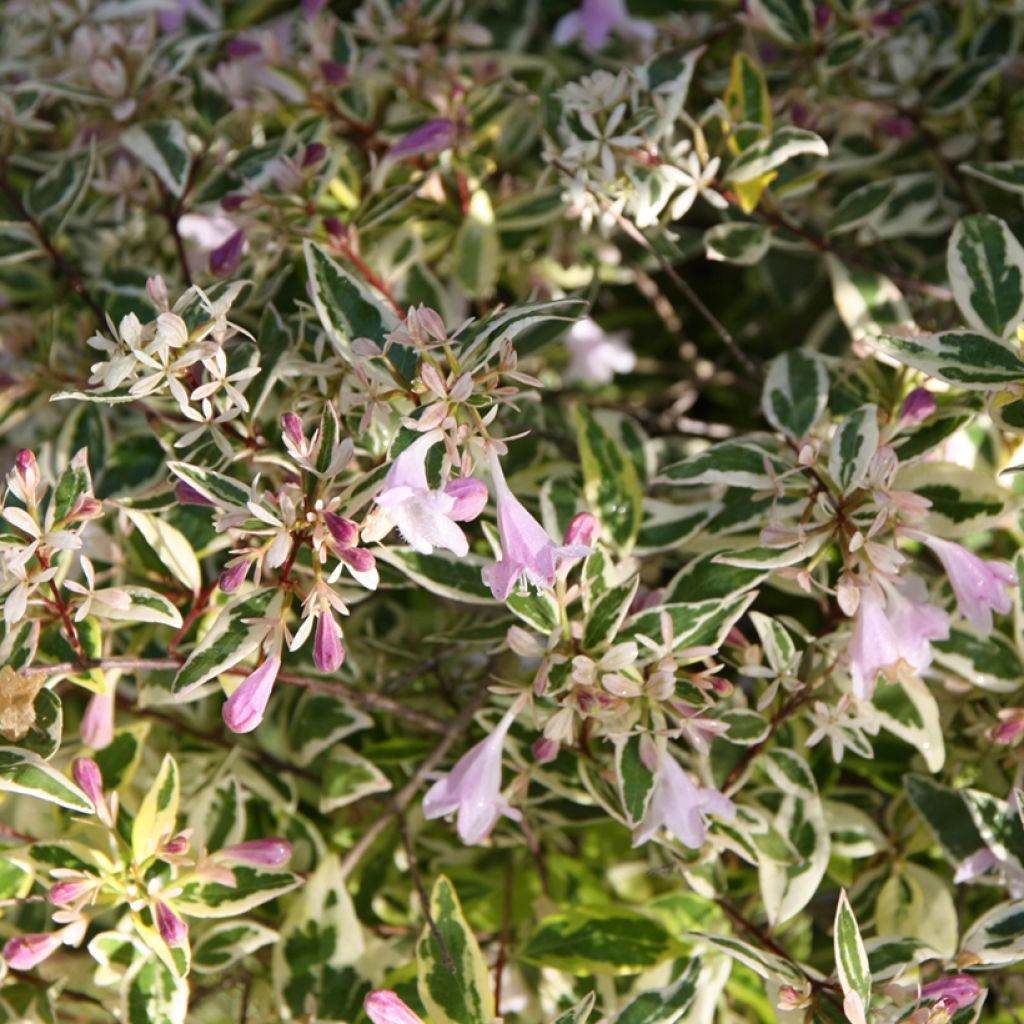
892, 633
473, 788
596, 356
680, 805
427, 518
597, 20
526, 549
979, 585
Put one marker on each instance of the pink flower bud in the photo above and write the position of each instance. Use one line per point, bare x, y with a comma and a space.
188, 495
470, 497
245, 708
335, 228
233, 575
428, 140
891, 18
97, 728
23, 952
917, 406
315, 152
172, 929
225, 259
954, 992
311, 8
359, 558
291, 427
583, 529
178, 844
545, 750
269, 852
87, 507
328, 652
89, 778
239, 49
897, 127
28, 470
232, 202
383, 1007
799, 114
333, 72
64, 893
344, 531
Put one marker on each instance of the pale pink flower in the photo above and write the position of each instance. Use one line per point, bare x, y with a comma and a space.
526, 549
427, 518
268, 852
328, 651
596, 20
244, 709
894, 634
596, 356
473, 788
953, 993
428, 139
917, 406
979, 585
680, 806
97, 728
89, 778
383, 1007
23, 952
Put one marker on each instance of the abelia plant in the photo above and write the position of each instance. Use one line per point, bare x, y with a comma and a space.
511, 512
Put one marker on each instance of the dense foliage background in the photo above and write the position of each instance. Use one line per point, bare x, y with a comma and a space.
511, 511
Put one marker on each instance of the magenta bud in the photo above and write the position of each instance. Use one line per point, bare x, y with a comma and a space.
328, 652
232, 576
64, 893
333, 72
344, 531
269, 852
583, 530
188, 495
954, 992
241, 48
315, 152
87, 774
178, 844
245, 708
428, 140
545, 750
233, 201
87, 507
359, 558
470, 497
822, 16
799, 115
335, 228
23, 952
225, 259
891, 18
917, 406
26, 463
291, 427
897, 127
172, 929
383, 1007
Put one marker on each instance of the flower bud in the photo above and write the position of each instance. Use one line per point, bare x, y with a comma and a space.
87, 774
245, 708
291, 427
178, 844
64, 893
239, 49
23, 952
954, 992
225, 259
28, 471
328, 652
897, 127
269, 852
232, 202
233, 575
315, 152
384, 1007
344, 531
172, 929
470, 497
917, 406
188, 495
428, 140
333, 72
583, 530
545, 750
358, 558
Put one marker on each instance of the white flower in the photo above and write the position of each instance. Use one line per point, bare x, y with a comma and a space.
695, 180
597, 356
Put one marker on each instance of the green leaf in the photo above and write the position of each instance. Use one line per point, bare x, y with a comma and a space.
145, 605
963, 358
788, 20
218, 488
476, 253
254, 887
318, 721
606, 616
217, 815
864, 206
908, 710
74, 484
767, 154
589, 940
997, 937
768, 965
985, 263
346, 306
990, 661
228, 942
853, 444
947, 816
963, 500
635, 779
610, 480
737, 242
747, 97
152, 994
454, 983
961, 85
852, 965
158, 813
170, 545
795, 392
313, 963
53, 197
347, 777
21, 771
163, 147
867, 303
229, 640
120, 758
440, 573
579, 1013
1005, 174
663, 1005
740, 463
